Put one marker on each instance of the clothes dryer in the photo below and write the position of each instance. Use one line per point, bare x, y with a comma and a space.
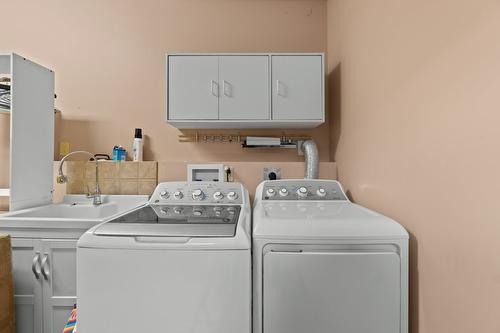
324, 264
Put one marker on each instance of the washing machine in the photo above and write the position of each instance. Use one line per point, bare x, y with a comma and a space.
181, 263
324, 264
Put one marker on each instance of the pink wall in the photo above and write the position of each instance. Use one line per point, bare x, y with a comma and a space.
109, 62
415, 97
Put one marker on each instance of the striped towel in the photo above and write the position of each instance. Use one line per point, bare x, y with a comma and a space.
71, 324
4, 99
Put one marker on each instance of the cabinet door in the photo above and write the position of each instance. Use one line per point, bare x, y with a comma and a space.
193, 88
26, 259
297, 87
58, 267
244, 87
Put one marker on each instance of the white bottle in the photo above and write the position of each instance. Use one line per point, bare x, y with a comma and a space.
137, 146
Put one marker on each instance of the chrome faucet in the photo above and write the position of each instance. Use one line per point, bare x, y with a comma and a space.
62, 178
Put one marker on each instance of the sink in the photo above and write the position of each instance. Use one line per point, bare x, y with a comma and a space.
74, 208
69, 211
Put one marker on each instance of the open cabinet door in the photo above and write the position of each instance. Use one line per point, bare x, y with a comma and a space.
32, 134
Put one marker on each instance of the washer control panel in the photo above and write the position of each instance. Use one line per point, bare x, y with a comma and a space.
305, 189
197, 193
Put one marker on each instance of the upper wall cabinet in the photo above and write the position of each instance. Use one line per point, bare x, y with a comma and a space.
245, 90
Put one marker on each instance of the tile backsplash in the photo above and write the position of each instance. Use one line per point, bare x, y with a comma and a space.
114, 177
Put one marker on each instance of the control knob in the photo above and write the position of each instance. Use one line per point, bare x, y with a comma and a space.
270, 192
164, 194
283, 192
198, 194
232, 195
178, 195
302, 192
321, 192
218, 195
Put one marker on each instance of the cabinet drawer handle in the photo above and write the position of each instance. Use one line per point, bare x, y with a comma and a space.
35, 264
45, 270
214, 88
226, 88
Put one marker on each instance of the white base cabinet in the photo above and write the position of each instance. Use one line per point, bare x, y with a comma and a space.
45, 283
245, 90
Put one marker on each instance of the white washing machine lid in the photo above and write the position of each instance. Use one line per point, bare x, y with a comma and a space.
322, 220
185, 234
177, 219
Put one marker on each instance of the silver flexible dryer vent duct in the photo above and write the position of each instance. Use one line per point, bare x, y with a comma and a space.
311, 158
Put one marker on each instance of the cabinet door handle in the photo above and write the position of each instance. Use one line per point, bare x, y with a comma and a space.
214, 88
34, 265
45, 263
226, 88
278, 86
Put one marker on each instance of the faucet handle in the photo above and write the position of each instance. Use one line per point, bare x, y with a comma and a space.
61, 179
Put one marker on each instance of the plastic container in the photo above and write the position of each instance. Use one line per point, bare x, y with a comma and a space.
119, 153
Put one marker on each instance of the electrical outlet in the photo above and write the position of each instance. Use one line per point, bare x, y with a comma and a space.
272, 173
228, 173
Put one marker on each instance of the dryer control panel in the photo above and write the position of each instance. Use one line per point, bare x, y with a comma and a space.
303, 189
198, 193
